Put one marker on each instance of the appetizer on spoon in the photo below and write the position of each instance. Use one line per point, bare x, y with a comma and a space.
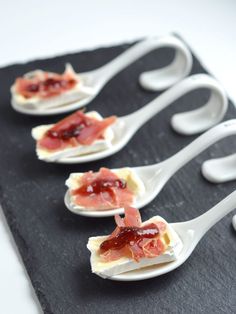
137, 251
133, 245
38, 90
147, 180
77, 134
103, 191
44, 93
122, 129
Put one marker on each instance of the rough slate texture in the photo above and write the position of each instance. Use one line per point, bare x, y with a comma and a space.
52, 241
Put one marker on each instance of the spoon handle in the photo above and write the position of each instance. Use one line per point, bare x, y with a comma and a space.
222, 130
207, 220
219, 170
138, 50
215, 107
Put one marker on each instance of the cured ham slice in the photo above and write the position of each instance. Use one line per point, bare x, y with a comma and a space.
133, 239
132, 217
76, 129
102, 190
46, 84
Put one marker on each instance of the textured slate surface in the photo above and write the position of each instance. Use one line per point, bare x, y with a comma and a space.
52, 241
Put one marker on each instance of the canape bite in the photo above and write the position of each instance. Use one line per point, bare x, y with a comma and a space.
75, 135
104, 190
133, 245
39, 89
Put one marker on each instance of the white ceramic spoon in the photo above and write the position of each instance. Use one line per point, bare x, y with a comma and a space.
96, 79
156, 176
186, 123
190, 232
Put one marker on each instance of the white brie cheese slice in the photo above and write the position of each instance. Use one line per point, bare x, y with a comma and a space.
134, 183
98, 145
124, 264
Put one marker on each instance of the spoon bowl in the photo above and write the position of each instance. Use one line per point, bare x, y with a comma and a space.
186, 237
48, 110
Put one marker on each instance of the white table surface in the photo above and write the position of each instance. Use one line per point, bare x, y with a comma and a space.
31, 29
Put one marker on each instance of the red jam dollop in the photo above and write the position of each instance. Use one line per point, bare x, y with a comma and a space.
133, 240
101, 186
73, 130
127, 235
45, 84
76, 129
102, 190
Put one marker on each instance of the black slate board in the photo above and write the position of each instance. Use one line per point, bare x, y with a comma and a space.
52, 241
